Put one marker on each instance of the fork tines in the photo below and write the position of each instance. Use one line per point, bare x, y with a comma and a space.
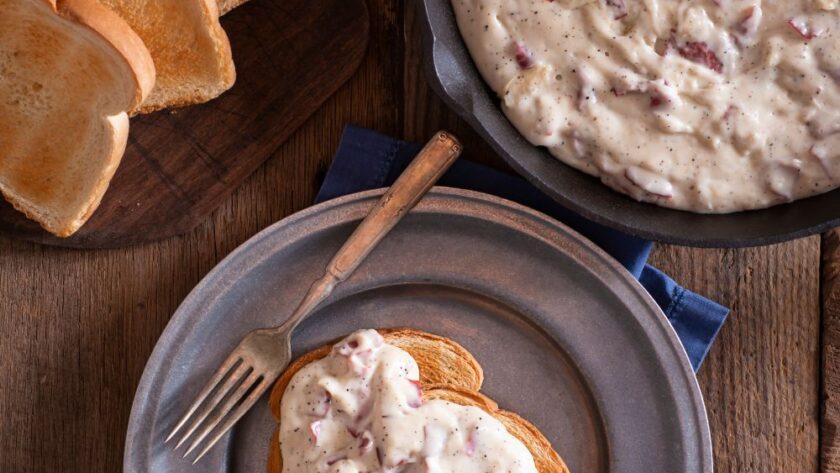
232, 390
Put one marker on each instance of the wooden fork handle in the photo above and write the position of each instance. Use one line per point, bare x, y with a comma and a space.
434, 159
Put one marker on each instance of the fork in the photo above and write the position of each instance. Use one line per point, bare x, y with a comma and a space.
263, 354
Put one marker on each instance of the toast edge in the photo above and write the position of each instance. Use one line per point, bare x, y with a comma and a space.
279, 387
107, 24
120, 36
224, 58
536, 441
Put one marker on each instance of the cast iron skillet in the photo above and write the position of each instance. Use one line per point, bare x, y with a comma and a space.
454, 77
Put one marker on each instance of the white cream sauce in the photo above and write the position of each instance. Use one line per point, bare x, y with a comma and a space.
703, 105
360, 410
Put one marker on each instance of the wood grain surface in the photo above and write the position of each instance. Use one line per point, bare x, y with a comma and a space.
79, 324
179, 165
761, 379
830, 440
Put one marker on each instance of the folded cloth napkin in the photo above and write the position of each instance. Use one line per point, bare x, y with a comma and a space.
368, 160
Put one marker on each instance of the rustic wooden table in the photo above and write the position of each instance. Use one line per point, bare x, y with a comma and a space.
78, 326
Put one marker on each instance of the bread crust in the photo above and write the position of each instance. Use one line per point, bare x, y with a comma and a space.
116, 31
470, 374
546, 459
227, 5
224, 57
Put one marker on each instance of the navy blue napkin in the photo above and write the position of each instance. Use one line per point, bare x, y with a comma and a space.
368, 160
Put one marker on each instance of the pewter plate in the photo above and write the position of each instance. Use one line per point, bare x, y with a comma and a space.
456, 80
567, 338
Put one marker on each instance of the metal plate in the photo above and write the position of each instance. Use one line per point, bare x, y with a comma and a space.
567, 337
454, 77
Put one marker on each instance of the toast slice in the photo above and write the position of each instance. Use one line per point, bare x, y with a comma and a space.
69, 73
448, 372
441, 361
190, 49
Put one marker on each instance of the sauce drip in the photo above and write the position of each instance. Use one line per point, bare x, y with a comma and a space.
360, 409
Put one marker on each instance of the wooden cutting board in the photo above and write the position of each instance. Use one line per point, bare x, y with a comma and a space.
290, 55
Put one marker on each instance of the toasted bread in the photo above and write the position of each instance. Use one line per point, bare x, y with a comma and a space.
69, 73
228, 5
448, 372
442, 361
190, 49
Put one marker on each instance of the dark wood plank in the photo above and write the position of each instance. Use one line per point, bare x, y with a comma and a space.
290, 55
761, 381
79, 325
830, 420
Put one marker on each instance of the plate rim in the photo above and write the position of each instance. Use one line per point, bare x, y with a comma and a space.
678, 364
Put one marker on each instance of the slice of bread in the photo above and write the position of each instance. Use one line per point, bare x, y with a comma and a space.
69, 73
447, 372
441, 361
190, 49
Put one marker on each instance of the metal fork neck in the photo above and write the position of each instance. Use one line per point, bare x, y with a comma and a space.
320, 290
